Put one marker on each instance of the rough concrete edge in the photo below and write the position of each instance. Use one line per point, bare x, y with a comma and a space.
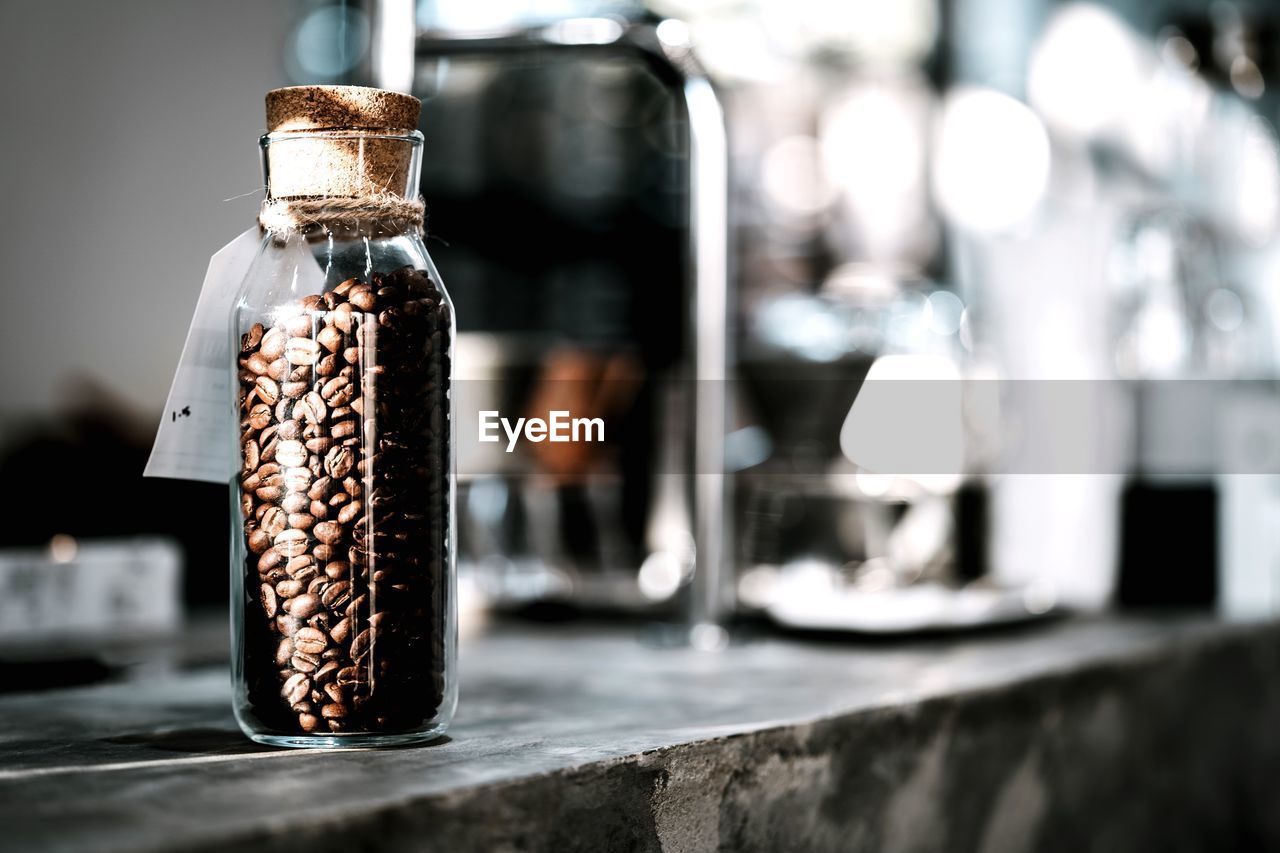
1209, 638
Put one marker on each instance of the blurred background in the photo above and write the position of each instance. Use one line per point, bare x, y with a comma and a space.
1061, 214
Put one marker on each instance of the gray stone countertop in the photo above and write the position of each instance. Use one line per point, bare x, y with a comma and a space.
570, 737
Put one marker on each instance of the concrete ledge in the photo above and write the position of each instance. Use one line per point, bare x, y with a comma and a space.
1089, 734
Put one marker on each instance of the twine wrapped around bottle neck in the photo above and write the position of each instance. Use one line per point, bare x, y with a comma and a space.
289, 215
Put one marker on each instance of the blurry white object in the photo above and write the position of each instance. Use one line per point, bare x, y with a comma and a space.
815, 600
991, 160
1241, 173
873, 141
1087, 70
78, 589
1046, 296
876, 32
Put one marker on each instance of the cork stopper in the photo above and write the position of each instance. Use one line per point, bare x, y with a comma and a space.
340, 108
355, 165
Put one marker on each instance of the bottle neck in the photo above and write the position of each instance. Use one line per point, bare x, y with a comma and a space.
348, 164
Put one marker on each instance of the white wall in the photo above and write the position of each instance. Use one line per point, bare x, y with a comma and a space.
123, 127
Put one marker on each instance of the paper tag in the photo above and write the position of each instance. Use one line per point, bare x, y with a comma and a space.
194, 440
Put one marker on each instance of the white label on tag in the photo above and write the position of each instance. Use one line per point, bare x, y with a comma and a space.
194, 440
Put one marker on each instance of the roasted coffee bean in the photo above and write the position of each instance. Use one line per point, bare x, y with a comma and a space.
305, 661
250, 339
293, 389
299, 563
259, 541
296, 688
320, 488
317, 411
272, 344
284, 651
337, 569
296, 481
327, 672
269, 559
337, 391
319, 509
256, 364
351, 675
287, 589
268, 390
251, 455
278, 370
323, 553
301, 520
304, 605
287, 625
303, 351
310, 641
295, 502
330, 338
269, 492
328, 532
273, 521
259, 415
361, 298
342, 319
296, 326
357, 606
306, 574
339, 461
291, 454
361, 644
319, 444
269, 603
291, 543
349, 512
341, 632
336, 595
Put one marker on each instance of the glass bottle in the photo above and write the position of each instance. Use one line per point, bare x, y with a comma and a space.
343, 541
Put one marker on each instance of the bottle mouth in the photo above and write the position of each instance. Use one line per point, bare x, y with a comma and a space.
413, 137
